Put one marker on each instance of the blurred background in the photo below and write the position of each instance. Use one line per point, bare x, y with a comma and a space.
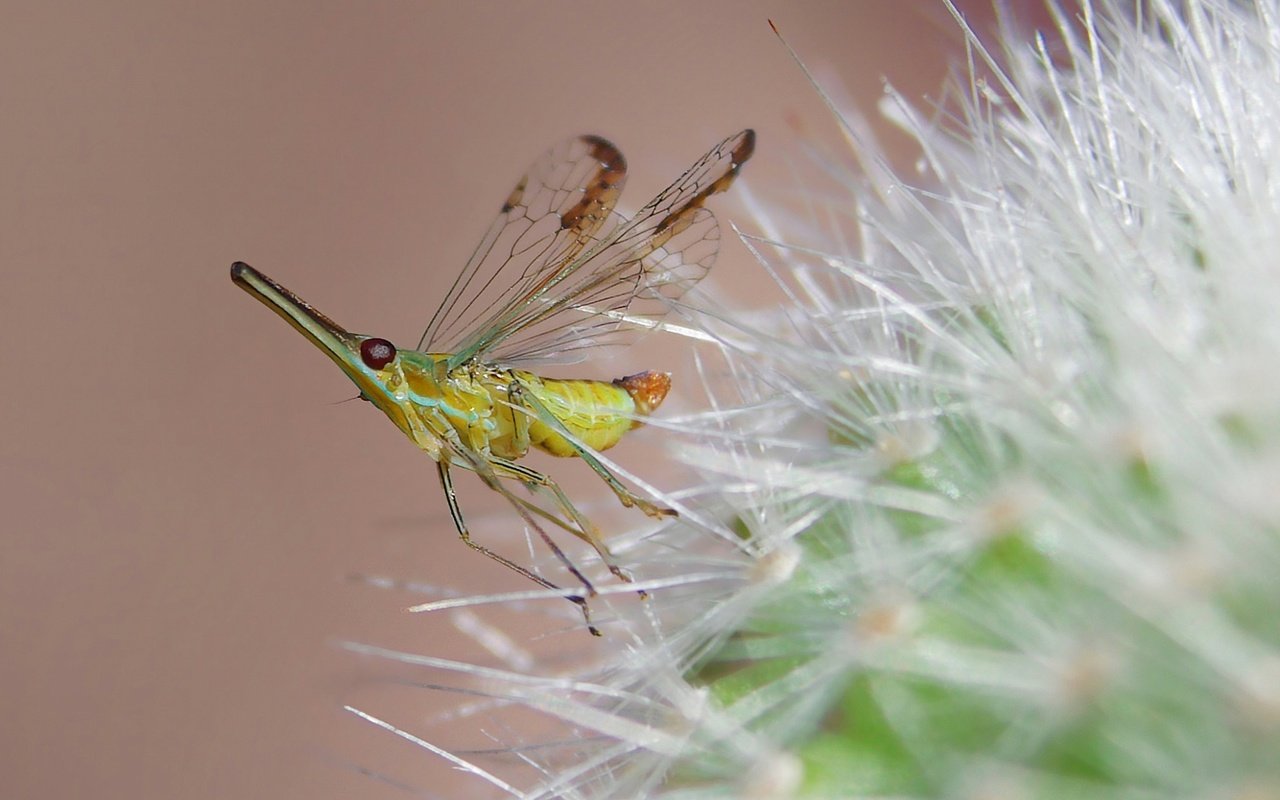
186, 492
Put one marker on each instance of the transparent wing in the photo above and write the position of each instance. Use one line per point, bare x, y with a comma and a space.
631, 273
614, 301
553, 213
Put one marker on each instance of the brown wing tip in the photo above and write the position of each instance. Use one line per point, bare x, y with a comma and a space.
647, 389
599, 195
604, 151
744, 144
745, 148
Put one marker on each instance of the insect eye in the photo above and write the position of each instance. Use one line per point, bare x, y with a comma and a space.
377, 353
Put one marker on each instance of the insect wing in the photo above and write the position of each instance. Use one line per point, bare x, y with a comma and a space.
613, 303
630, 275
551, 215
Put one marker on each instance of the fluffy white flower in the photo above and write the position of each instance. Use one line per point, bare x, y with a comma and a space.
991, 506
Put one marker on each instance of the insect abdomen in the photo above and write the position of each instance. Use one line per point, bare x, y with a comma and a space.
596, 412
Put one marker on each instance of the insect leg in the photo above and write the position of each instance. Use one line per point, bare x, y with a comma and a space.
484, 469
625, 495
447, 482
585, 531
480, 461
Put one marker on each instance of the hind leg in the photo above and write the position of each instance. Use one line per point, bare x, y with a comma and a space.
585, 531
447, 482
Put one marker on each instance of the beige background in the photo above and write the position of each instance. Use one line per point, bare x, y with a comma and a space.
184, 492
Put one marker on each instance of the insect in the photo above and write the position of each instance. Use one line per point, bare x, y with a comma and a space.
558, 274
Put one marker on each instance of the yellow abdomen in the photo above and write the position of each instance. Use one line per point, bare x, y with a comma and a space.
596, 412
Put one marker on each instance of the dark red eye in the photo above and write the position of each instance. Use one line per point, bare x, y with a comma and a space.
377, 353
